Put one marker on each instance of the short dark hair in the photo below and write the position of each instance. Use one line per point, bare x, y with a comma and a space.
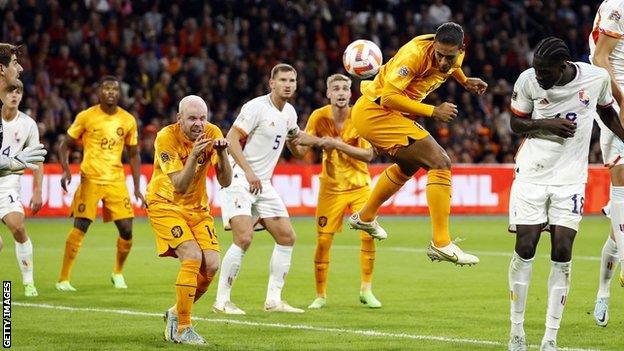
108, 78
282, 67
450, 33
552, 49
17, 85
6, 53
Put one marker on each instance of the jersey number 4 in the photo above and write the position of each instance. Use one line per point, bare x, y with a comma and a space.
6, 151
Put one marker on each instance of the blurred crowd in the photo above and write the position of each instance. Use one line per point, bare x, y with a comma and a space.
223, 51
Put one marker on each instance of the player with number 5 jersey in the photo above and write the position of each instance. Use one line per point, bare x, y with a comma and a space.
256, 141
554, 106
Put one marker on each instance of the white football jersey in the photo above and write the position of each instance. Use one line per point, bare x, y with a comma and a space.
546, 158
19, 133
266, 129
609, 21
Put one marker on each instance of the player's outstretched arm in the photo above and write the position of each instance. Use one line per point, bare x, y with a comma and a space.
355, 152
604, 47
135, 167
223, 168
473, 85
558, 126
300, 144
611, 119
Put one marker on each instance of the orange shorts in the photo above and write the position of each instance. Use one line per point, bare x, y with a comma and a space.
385, 129
331, 208
115, 200
174, 225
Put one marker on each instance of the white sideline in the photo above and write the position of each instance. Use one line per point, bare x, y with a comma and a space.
293, 326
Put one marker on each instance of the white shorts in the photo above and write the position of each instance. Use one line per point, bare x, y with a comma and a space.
236, 200
532, 204
10, 201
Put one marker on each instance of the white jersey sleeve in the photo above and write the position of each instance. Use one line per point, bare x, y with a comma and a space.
247, 119
610, 19
521, 98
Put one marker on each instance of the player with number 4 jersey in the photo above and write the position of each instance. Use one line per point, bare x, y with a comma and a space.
554, 106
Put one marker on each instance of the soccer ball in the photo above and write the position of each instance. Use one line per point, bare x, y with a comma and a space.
362, 58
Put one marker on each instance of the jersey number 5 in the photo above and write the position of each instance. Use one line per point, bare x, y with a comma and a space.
277, 142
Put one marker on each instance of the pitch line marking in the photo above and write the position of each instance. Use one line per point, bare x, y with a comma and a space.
292, 326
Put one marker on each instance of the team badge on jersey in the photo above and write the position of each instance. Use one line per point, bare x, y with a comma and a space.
164, 157
615, 15
176, 231
322, 221
403, 71
583, 97
120, 131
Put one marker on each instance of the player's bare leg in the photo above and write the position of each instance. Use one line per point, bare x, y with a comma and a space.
23, 250
72, 247
124, 244
242, 232
520, 269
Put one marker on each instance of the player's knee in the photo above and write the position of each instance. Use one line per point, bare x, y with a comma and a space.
324, 239
440, 161
126, 233
19, 232
211, 268
82, 224
525, 250
243, 240
287, 238
561, 253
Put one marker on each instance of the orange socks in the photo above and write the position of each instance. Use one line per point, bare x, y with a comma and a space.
203, 281
389, 182
186, 285
439, 201
367, 258
123, 249
321, 262
72, 246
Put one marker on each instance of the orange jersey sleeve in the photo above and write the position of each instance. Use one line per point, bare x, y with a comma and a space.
103, 137
412, 70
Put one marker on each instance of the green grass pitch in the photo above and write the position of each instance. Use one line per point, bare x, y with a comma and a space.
426, 305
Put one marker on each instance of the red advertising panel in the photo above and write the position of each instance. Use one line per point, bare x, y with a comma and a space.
477, 189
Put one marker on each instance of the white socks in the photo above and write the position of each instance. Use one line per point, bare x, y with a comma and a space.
278, 269
519, 278
558, 288
608, 263
617, 218
229, 271
24, 255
